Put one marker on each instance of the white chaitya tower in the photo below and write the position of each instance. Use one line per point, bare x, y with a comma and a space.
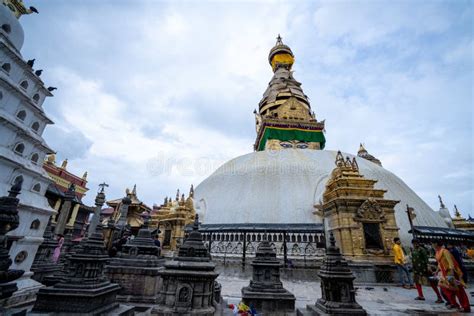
22, 148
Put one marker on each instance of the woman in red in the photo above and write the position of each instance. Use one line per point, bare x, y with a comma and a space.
451, 282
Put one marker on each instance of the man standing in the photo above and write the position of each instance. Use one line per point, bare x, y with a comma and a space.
399, 259
420, 271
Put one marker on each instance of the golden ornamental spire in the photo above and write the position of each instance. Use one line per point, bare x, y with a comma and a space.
84, 176
18, 8
64, 164
281, 55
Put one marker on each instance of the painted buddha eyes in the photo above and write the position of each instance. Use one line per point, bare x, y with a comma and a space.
286, 144
302, 145
299, 145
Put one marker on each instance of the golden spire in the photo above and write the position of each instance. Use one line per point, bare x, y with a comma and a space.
281, 55
84, 176
362, 148
64, 164
18, 8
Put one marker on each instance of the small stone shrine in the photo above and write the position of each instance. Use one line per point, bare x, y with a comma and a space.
266, 292
85, 290
189, 285
66, 251
43, 265
9, 220
337, 288
136, 269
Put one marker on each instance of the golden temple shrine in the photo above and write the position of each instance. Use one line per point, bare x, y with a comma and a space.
135, 210
170, 220
65, 197
460, 222
362, 221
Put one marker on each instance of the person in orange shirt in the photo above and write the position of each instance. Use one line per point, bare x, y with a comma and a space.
399, 259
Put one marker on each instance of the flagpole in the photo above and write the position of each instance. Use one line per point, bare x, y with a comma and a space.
409, 213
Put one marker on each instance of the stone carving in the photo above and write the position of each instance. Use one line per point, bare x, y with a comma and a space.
370, 211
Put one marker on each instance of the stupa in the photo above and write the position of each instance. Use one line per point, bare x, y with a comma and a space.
189, 284
265, 291
279, 186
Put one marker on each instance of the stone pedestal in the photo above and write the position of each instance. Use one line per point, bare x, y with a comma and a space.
337, 288
188, 286
43, 265
136, 269
84, 290
266, 292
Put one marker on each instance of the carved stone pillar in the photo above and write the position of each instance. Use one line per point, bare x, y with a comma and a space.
99, 202
65, 210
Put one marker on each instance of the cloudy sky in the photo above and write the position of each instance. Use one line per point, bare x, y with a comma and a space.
159, 94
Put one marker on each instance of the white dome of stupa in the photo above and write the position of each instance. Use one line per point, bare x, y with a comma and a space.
283, 186
11, 28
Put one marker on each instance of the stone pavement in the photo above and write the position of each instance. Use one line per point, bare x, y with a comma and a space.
376, 299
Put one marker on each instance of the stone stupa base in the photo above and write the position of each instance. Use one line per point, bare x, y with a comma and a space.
272, 303
73, 301
331, 308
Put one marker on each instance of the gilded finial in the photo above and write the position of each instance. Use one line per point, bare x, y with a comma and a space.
339, 159
177, 195
166, 201
51, 159
441, 204
84, 176
362, 148
18, 8
64, 164
354, 164
279, 40
134, 190
127, 191
182, 197
348, 162
281, 55
456, 211
191, 191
